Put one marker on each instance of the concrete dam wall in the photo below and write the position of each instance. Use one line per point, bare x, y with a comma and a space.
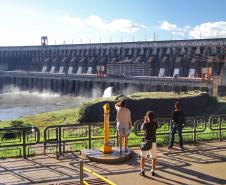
146, 66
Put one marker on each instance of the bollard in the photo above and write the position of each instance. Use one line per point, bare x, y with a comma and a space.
81, 171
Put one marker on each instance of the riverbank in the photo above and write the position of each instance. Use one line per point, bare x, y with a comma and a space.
16, 103
147, 100
65, 116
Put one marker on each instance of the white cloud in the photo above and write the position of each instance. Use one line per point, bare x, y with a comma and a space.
95, 22
124, 25
174, 29
209, 30
72, 21
116, 25
168, 27
178, 33
204, 30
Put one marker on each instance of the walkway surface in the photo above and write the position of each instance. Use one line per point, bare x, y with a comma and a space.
201, 164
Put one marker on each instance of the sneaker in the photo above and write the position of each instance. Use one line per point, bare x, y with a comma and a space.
170, 147
141, 173
120, 150
152, 173
126, 150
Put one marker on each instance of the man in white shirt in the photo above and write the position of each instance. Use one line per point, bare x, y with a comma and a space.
124, 123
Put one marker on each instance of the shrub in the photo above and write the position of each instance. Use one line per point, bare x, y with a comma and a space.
83, 112
14, 134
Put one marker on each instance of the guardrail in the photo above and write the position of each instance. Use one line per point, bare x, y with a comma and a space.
18, 139
218, 123
194, 125
59, 139
83, 135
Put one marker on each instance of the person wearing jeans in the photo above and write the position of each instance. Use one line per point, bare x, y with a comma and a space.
178, 121
174, 129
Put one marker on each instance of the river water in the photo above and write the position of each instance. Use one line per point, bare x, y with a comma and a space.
16, 104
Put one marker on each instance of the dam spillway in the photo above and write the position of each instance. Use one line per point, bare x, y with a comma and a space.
79, 84
144, 66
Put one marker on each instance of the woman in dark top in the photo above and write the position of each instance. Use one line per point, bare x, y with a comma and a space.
149, 126
177, 125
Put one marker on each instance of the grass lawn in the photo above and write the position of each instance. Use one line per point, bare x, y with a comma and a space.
65, 116
164, 95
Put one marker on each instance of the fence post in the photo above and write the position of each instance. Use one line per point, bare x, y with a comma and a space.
60, 149
195, 131
90, 135
24, 143
81, 171
64, 147
220, 129
45, 148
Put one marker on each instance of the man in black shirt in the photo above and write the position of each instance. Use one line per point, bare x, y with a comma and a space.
177, 125
149, 126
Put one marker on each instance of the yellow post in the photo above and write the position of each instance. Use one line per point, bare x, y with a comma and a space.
106, 148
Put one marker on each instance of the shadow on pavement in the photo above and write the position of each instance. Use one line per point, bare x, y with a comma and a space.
200, 164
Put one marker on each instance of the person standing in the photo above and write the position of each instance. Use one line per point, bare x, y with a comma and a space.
178, 120
149, 126
124, 123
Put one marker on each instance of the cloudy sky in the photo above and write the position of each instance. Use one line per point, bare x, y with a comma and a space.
23, 22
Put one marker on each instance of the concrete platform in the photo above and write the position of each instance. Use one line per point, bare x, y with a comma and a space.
113, 158
204, 163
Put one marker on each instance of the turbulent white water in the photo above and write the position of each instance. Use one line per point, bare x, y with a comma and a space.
22, 103
108, 92
15, 103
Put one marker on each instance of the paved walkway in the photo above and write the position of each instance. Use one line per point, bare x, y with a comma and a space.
201, 164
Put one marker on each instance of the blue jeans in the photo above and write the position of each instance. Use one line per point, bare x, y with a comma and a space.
175, 129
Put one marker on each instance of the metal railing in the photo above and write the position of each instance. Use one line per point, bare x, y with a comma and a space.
18, 139
218, 123
65, 137
60, 139
194, 125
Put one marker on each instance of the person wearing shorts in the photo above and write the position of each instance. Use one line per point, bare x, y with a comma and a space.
124, 123
149, 126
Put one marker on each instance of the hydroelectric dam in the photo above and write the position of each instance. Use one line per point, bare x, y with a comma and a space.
178, 65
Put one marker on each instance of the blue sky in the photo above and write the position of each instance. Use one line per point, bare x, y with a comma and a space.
23, 22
